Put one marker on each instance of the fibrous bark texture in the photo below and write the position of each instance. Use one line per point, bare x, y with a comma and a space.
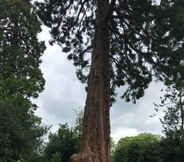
96, 127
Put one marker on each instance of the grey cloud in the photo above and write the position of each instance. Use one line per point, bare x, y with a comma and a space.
137, 116
63, 93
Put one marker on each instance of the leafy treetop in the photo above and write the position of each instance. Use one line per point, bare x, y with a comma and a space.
146, 39
20, 49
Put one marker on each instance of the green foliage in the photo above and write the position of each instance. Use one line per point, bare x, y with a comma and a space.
64, 142
146, 40
21, 130
173, 120
141, 148
112, 147
20, 50
172, 103
56, 157
78, 126
172, 147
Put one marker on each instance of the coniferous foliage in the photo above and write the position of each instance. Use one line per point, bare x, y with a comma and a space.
172, 103
21, 130
146, 39
20, 50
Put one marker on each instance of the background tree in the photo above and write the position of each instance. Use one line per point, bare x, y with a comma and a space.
20, 50
64, 142
78, 126
21, 130
123, 43
141, 148
173, 121
112, 147
56, 157
172, 103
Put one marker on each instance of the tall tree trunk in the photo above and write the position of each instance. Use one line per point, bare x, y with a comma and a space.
96, 127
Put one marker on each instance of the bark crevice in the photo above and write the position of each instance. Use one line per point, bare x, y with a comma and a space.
95, 145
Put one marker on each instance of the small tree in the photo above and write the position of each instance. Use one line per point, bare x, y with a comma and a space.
66, 141
63, 141
141, 148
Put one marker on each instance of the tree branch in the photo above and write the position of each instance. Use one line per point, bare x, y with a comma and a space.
149, 59
82, 5
121, 17
119, 67
110, 10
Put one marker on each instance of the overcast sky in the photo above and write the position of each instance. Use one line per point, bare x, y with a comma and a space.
63, 93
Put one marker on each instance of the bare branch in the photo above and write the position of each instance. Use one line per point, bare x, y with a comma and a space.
82, 5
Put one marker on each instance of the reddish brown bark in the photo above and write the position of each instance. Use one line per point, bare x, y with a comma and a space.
96, 127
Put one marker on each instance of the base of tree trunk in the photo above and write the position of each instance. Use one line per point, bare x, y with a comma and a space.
84, 157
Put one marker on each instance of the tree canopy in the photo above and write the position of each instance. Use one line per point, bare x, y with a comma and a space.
146, 39
20, 49
141, 148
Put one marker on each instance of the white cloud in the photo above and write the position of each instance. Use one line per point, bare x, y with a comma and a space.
63, 93
123, 132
